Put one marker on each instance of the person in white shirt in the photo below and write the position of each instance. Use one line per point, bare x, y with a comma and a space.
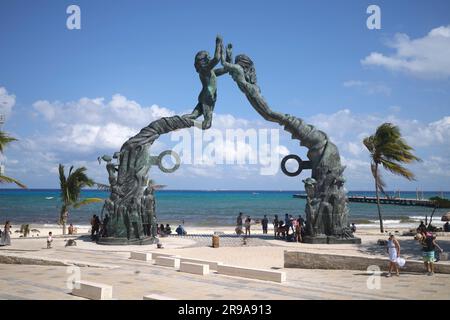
49, 240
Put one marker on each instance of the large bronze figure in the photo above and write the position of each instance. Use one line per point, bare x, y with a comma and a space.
131, 205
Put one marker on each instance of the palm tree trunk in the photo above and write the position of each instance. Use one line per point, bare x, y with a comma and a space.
378, 199
63, 218
431, 217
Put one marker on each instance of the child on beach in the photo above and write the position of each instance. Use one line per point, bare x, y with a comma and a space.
429, 246
393, 249
49, 240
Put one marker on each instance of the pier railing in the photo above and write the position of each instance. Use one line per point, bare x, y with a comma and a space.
384, 200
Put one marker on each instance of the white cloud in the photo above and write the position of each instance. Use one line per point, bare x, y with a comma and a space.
77, 132
89, 124
437, 166
426, 57
434, 133
430, 140
368, 87
7, 102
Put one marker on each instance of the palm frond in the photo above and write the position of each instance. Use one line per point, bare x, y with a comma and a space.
369, 143
4, 140
389, 149
397, 169
5, 179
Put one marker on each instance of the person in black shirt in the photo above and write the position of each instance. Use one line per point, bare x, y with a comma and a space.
422, 227
429, 246
275, 226
446, 227
264, 223
167, 230
239, 224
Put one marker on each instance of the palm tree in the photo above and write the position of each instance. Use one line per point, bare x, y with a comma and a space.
389, 149
70, 191
4, 140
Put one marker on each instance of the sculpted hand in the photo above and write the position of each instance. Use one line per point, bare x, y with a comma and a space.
219, 39
229, 52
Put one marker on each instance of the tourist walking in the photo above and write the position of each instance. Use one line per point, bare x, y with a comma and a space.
49, 240
281, 231
264, 223
93, 227
168, 230
353, 228
248, 220
447, 227
5, 240
239, 224
70, 229
180, 230
301, 220
429, 246
393, 249
298, 231
422, 228
287, 223
275, 226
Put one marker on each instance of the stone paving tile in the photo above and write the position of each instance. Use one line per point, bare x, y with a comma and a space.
135, 279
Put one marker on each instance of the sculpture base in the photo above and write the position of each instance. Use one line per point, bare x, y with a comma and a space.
331, 240
127, 242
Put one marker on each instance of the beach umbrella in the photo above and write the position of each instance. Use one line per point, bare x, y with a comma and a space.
446, 217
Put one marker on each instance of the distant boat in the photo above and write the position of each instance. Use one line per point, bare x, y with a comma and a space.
255, 192
49, 198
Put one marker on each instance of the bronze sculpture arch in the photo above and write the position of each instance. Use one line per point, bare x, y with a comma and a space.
131, 205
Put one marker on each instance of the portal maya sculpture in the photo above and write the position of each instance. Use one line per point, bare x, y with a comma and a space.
131, 205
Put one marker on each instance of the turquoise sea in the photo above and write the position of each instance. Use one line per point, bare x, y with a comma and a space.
200, 208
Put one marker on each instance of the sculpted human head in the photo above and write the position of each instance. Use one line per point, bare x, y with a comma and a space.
249, 68
202, 60
310, 187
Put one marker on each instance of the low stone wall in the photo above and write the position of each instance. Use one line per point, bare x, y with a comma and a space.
309, 260
10, 259
45, 261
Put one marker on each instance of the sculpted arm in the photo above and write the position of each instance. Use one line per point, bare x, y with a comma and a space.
216, 59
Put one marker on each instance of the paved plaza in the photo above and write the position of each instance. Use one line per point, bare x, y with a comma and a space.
133, 279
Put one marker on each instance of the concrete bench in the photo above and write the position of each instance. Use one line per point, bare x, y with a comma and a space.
141, 256
212, 264
157, 297
195, 268
260, 274
160, 254
168, 262
92, 290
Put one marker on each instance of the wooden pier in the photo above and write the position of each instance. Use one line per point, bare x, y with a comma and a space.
392, 201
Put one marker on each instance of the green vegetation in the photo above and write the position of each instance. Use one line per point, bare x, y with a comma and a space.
441, 202
388, 149
70, 191
5, 139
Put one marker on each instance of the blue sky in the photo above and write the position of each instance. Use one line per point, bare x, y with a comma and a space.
314, 59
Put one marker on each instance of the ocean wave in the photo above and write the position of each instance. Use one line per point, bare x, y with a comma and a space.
418, 218
387, 221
